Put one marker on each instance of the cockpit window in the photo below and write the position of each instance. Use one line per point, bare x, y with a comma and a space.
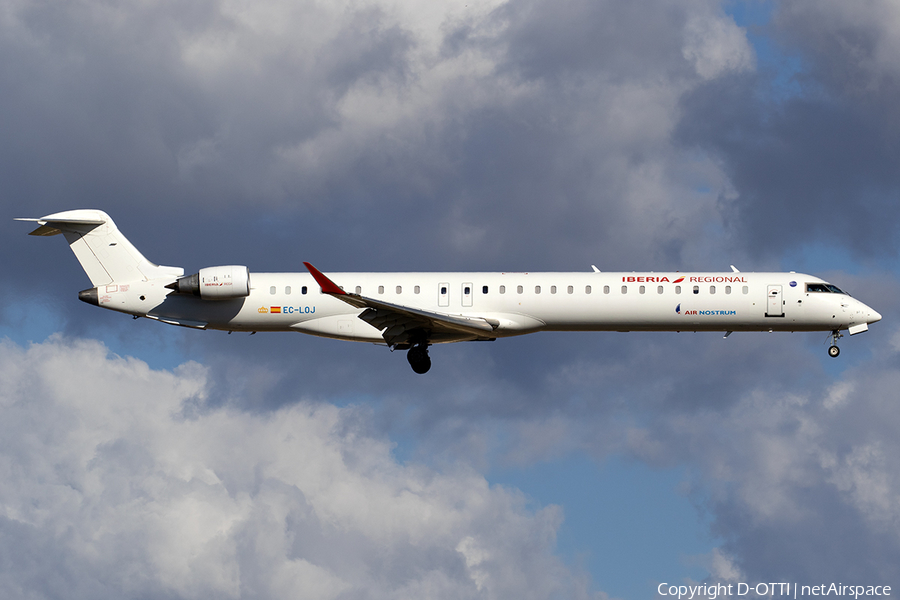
824, 287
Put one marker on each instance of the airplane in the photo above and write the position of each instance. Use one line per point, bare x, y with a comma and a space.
412, 311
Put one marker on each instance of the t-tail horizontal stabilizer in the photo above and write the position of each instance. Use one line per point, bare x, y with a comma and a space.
104, 253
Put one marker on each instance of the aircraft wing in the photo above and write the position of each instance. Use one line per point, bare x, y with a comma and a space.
399, 323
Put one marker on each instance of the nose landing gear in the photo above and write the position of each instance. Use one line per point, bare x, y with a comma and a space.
418, 358
833, 350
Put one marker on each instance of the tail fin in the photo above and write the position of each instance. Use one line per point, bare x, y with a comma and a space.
104, 253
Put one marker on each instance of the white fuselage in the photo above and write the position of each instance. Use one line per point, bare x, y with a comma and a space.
517, 303
415, 310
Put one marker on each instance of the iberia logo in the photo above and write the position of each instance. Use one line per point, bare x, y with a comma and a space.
678, 308
679, 280
275, 309
262, 310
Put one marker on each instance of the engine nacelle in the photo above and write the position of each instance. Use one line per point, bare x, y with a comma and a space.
215, 283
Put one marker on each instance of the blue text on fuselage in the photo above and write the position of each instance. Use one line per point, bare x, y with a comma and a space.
289, 310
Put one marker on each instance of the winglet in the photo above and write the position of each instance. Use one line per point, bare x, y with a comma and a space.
327, 285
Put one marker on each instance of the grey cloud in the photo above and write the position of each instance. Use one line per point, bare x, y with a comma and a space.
811, 152
536, 136
851, 53
513, 133
613, 40
805, 171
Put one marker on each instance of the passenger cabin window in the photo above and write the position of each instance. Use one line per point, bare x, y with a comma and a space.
272, 290
537, 289
696, 289
358, 289
587, 289
380, 289
727, 289
416, 290
443, 290
484, 289
712, 289
287, 290
659, 289
399, 289
642, 289
502, 289
624, 289
552, 289
745, 290
467, 290
519, 289
605, 289
303, 290
677, 289
570, 289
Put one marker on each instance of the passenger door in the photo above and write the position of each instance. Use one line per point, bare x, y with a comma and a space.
775, 302
467, 294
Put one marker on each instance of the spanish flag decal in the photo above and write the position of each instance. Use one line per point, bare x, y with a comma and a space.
275, 309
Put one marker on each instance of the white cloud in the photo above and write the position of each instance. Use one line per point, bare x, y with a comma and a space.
144, 492
716, 45
722, 568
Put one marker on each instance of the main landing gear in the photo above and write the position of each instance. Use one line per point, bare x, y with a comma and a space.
418, 358
833, 350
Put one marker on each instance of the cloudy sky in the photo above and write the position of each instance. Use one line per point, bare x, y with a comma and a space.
145, 461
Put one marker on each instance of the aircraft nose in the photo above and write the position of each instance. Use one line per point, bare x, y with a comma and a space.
869, 314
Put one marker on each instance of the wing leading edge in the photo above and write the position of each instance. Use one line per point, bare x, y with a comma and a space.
402, 326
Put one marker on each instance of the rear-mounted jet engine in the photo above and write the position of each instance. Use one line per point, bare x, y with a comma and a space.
215, 283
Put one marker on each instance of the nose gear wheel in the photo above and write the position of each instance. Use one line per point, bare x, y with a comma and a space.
833, 350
